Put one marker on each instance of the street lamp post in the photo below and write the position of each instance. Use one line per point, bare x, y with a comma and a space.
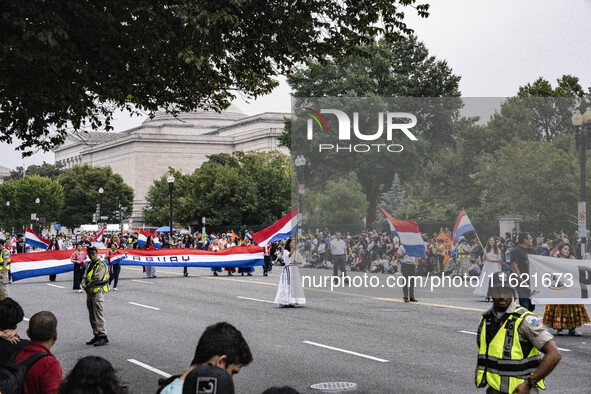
584, 120
300, 162
101, 191
37, 202
170, 180
7, 208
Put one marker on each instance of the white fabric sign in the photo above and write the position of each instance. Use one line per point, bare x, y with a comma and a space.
559, 281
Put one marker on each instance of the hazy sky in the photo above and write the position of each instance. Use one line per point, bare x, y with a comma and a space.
495, 46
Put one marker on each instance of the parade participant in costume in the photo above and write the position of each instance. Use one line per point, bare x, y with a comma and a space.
78, 258
96, 284
510, 339
561, 317
290, 291
492, 263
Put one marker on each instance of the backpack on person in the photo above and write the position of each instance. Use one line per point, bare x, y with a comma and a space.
12, 375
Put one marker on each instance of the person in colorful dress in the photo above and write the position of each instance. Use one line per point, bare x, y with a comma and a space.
78, 258
560, 316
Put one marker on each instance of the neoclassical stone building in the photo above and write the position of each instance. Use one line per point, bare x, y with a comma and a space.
143, 154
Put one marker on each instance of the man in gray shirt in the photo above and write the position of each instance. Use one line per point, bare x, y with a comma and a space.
338, 250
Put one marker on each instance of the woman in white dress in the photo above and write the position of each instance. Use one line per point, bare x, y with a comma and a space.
290, 291
492, 263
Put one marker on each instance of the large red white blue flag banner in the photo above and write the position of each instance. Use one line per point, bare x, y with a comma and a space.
28, 265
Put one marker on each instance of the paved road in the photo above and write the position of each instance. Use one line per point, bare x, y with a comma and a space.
400, 347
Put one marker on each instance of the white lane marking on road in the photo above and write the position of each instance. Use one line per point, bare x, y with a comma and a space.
347, 351
25, 319
149, 368
473, 333
142, 281
59, 287
144, 306
255, 299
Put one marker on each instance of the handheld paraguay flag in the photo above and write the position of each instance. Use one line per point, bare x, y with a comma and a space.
283, 228
408, 233
99, 237
142, 238
157, 243
33, 239
463, 226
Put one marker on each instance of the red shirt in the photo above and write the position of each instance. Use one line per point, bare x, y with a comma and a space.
45, 376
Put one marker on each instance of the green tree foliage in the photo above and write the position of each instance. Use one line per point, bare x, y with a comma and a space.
540, 112
530, 179
81, 185
158, 198
392, 200
243, 188
341, 201
393, 69
22, 194
51, 171
70, 65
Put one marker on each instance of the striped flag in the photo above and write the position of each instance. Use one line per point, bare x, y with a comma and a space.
142, 238
33, 239
283, 228
463, 226
28, 265
99, 237
408, 233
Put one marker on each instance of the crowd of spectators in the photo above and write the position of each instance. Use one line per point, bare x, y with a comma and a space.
220, 354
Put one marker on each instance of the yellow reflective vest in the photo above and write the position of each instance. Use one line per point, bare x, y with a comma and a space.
2, 259
503, 361
464, 252
104, 283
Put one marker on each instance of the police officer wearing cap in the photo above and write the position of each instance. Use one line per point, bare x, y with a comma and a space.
96, 283
510, 339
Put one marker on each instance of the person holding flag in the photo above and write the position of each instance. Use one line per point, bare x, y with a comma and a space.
229, 243
246, 270
149, 245
114, 257
463, 226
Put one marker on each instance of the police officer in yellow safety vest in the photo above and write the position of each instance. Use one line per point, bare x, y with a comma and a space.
464, 253
510, 339
4, 269
96, 283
